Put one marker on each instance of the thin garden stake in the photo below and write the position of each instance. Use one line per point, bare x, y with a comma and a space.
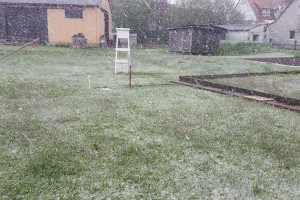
22, 47
89, 81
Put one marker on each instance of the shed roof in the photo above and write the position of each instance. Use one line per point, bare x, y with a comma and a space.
201, 26
55, 2
241, 27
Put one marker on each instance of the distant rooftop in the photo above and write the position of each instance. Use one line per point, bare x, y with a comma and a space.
241, 27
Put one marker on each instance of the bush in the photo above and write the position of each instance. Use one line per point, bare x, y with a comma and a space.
243, 48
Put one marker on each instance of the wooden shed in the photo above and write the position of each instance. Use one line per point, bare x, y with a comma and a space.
55, 21
195, 39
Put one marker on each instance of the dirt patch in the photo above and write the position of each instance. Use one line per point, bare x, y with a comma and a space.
283, 61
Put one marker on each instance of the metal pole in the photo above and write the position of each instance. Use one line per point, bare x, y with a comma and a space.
129, 75
22, 47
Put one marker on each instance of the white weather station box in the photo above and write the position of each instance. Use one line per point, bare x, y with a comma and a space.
123, 60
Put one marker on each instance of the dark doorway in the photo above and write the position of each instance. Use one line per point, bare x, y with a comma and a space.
25, 23
106, 22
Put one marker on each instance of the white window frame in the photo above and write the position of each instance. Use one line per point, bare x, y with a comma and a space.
266, 12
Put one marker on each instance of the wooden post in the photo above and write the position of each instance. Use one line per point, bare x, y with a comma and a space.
130, 68
130, 76
295, 45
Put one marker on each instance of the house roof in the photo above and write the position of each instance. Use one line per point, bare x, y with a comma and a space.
55, 2
268, 4
255, 4
271, 4
241, 27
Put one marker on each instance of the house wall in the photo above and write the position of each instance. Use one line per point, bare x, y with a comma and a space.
245, 8
248, 35
62, 29
288, 21
262, 34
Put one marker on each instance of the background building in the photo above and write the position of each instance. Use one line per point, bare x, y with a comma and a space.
54, 21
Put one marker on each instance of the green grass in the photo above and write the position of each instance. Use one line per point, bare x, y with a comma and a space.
157, 140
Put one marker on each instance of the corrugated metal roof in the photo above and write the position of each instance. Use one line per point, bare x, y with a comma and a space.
241, 27
55, 2
201, 26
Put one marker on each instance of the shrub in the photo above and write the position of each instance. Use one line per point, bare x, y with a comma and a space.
243, 48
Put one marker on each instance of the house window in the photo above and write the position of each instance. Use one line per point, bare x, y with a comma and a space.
74, 13
266, 12
292, 35
255, 37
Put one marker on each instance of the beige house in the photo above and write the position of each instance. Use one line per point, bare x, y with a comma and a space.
286, 30
56, 21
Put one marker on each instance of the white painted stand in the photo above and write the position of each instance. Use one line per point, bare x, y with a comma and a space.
122, 65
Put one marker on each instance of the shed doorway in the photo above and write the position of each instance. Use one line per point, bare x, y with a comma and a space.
106, 25
22, 23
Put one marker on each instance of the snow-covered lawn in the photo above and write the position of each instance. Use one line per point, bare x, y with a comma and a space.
156, 140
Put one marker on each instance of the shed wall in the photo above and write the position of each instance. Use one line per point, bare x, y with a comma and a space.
238, 36
2, 23
206, 42
180, 40
194, 40
199, 42
24, 23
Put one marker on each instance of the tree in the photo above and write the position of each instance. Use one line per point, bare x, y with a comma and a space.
151, 18
147, 18
205, 12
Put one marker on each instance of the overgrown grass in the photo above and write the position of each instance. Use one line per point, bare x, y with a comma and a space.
61, 140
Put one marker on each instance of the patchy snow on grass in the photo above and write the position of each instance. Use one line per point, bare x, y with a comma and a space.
155, 140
